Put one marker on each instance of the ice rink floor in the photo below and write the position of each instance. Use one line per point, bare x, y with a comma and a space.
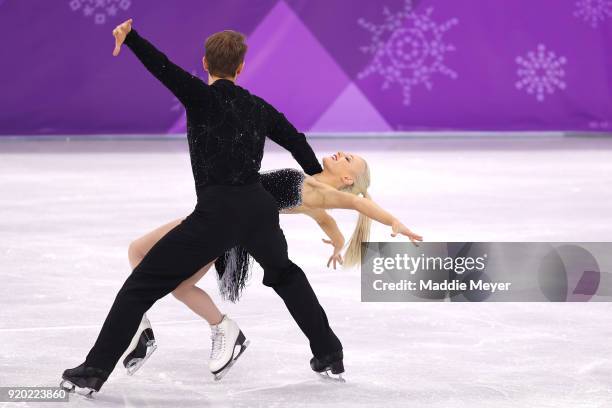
68, 211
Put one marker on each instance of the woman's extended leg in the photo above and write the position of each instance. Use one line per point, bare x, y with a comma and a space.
223, 328
192, 296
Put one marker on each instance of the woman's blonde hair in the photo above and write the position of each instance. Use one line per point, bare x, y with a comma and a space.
352, 256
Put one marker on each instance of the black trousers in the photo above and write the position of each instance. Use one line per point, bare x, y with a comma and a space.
224, 216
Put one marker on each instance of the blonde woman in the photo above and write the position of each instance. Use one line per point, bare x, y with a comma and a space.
343, 183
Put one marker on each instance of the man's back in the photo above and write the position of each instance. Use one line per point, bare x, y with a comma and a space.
226, 125
227, 129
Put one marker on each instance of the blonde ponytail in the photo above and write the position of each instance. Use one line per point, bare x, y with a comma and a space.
352, 256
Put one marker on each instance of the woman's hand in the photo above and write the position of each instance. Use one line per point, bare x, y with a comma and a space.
399, 228
337, 256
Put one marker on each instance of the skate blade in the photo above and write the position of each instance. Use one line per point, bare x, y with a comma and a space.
328, 376
135, 363
72, 388
218, 376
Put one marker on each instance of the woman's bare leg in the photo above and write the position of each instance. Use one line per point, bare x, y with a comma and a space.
187, 292
198, 300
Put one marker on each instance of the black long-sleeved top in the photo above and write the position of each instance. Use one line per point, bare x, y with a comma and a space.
226, 125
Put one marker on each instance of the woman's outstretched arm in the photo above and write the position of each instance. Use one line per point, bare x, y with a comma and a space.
337, 199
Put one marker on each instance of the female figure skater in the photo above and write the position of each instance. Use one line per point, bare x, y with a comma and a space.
344, 178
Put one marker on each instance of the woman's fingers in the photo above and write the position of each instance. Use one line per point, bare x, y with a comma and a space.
334, 260
412, 235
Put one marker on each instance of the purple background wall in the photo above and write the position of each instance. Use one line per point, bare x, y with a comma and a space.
330, 65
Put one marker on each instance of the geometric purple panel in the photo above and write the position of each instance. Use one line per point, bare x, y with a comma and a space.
287, 66
351, 111
406, 64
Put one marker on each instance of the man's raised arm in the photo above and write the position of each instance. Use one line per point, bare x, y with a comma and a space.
182, 84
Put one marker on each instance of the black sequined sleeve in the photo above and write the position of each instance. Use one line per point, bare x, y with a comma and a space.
285, 134
186, 87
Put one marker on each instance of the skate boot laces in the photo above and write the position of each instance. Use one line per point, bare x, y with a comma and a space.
218, 342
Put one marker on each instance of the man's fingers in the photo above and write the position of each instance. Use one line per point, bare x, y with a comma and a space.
116, 34
120, 32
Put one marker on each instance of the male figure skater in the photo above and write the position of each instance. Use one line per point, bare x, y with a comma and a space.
226, 131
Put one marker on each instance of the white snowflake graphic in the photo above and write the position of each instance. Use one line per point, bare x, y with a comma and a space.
100, 9
604, 124
593, 11
541, 72
408, 49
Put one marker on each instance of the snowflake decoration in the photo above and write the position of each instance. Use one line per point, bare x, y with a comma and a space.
408, 49
593, 11
600, 125
541, 72
100, 9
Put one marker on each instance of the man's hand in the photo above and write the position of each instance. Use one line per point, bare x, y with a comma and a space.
336, 256
399, 228
120, 32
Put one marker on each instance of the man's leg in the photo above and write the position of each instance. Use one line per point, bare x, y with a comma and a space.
177, 256
269, 248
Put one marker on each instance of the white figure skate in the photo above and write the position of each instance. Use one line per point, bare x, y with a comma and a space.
228, 343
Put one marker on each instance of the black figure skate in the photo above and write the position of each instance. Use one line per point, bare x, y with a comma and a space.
83, 380
329, 367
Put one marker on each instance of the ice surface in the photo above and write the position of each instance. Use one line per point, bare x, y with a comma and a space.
69, 210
